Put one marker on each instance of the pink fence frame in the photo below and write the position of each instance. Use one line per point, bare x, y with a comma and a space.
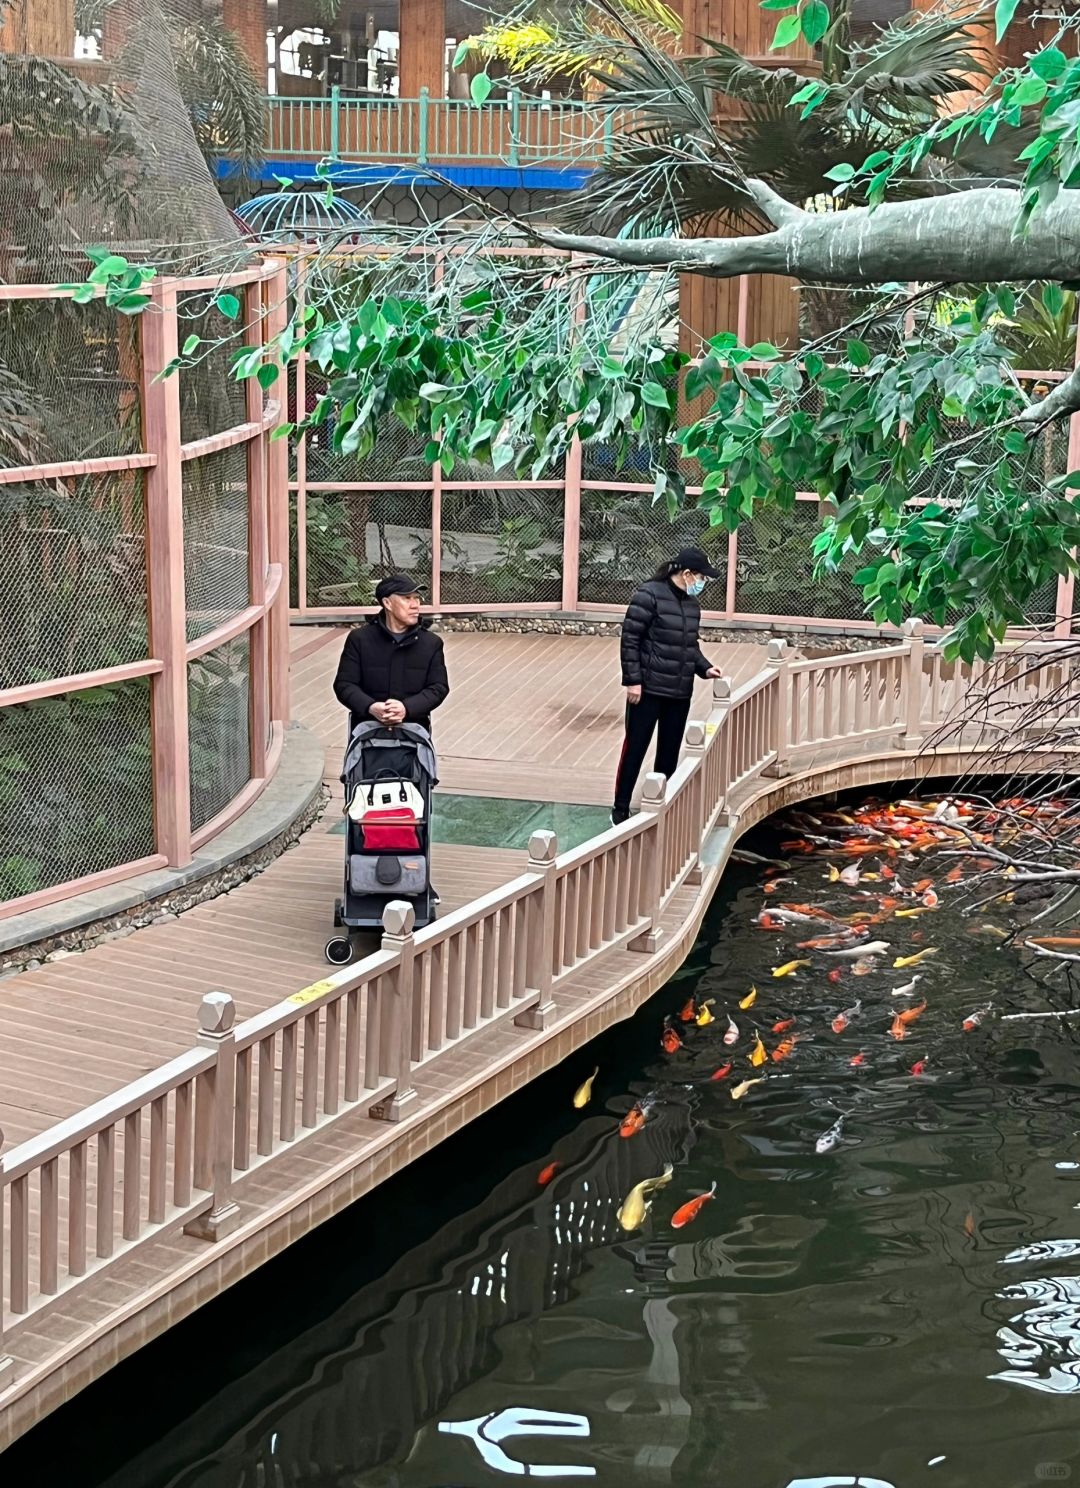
572, 485
263, 292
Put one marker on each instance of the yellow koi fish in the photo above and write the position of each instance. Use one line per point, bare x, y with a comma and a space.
908, 914
757, 1055
631, 1213
749, 1000
583, 1094
788, 967
740, 1090
919, 956
704, 1017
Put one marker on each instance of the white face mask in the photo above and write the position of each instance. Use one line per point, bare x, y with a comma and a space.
695, 586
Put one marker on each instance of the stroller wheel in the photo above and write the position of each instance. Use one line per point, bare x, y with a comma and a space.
339, 950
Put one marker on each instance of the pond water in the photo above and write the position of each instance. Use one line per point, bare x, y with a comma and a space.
902, 1309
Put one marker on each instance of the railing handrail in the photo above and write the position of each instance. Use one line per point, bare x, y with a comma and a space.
537, 929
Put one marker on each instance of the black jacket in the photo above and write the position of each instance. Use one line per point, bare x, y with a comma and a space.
377, 665
660, 651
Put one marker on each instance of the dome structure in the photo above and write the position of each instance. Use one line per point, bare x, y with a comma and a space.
300, 216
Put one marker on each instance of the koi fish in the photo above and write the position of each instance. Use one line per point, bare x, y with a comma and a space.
740, 1090
857, 1060
633, 1209
829, 1139
783, 1025
784, 1049
899, 1028
922, 885
767, 921
583, 1094
705, 1017
976, 1018
954, 875
634, 1120
833, 875
825, 942
788, 968
688, 1012
851, 875
903, 961
749, 1000
670, 1041
810, 911
545, 1175
692, 1208
841, 1021
731, 1032
721, 1073
919, 1067
757, 1055
863, 968
930, 899
856, 953
910, 914
969, 1226
907, 988
836, 974
995, 930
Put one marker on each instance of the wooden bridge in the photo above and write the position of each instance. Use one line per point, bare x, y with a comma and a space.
165, 1147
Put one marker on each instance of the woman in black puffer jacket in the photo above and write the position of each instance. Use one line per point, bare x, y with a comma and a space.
660, 659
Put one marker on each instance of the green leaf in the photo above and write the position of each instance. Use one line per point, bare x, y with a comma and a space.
480, 89
1030, 91
434, 392
282, 432
229, 305
789, 30
842, 172
267, 374
190, 344
858, 353
653, 394
108, 268
777, 5
1049, 64
763, 351
84, 294
460, 55
1004, 11
1053, 297
815, 21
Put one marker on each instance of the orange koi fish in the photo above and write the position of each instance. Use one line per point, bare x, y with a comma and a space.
824, 942
841, 1021
922, 886
899, 1029
688, 1012
930, 899
836, 974
545, 1175
633, 1121
783, 1025
976, 1018
954, 875
784, 1050
857, 1060
721, 1073
919, 1067
691, 1209
766, 921
670, 1041
808, 909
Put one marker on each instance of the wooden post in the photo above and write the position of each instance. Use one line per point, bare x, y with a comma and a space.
721, 691
277, 507
165, 578
779, 657
652, 804
912, 674
695, 748
258, 547
6, 1362
215, 1098
540, 932
399, 921
571, 572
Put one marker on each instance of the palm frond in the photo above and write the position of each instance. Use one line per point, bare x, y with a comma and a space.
537, 44
225, 99
915, 59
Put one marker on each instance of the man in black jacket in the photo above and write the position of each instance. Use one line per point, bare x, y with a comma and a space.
392, 669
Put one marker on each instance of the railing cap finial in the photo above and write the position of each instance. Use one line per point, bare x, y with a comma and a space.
721, 689
543, 847
654, 787
695, 734
399, 919
217, 1013
778, 650
913, 627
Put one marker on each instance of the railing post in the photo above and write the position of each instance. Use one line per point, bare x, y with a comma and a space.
721, 710
779, 657
912, 674
165, 572
399, 921
695, 748
6, 1361
540, 932
514, 158
215, 1101
422, 152
335, 122
652, 804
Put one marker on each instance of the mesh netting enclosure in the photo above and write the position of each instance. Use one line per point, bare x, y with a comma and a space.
218, 728
626, 535
76, 786
215, 539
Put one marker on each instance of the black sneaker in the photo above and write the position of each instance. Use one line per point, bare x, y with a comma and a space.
618, 816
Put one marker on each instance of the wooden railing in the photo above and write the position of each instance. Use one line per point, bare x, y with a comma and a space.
169, 1151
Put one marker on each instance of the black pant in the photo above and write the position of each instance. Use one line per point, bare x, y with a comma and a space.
667, 716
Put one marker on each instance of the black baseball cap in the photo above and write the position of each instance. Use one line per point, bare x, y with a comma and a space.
395, 584
696, 560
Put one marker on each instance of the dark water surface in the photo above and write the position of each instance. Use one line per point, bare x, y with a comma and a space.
902, 1310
